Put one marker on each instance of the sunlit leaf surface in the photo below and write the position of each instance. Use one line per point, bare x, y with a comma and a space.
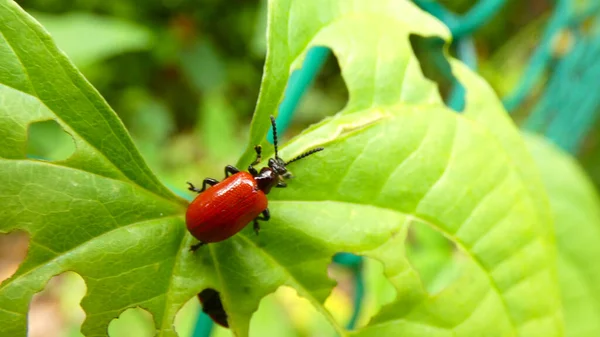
395, 156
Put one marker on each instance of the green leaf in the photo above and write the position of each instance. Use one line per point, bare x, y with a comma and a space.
395, 147
100, 213
576, 210
395, 156
89, 38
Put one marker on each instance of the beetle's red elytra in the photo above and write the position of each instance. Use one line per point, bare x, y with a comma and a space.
226, 207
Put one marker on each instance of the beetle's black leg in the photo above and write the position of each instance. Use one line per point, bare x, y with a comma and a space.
256, 226
258, 150
251, 168
207, 181
195, 247
193, 188
252, 171
229, 170
281, 184
265, 217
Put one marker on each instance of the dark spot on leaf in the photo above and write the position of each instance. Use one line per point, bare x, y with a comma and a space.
394, 232
204, 258
213, 307
435, 66
247, 290
47, 140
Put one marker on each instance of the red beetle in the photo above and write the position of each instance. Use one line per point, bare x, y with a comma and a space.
228, 206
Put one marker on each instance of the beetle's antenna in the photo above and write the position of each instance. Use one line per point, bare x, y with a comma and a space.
305, 154
274, 135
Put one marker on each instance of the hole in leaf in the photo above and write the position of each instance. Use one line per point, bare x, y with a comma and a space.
190, 318
47, 140
213, 307
435, 66
347, 271
13, 250
187, 317
370, 285
434, 257
327, 95
132, 322
56, 310
380, 290
285, 313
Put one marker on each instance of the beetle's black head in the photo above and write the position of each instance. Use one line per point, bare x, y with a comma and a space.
277, 171
278, 165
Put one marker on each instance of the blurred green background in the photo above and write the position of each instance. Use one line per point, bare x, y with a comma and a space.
184, 76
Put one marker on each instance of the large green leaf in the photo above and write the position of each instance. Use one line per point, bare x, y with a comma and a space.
101, 213
576, 210
395, 156
396, 147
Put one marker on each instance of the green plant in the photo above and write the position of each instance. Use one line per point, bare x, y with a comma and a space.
396, 158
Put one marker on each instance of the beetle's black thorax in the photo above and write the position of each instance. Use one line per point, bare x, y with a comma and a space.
266, 179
